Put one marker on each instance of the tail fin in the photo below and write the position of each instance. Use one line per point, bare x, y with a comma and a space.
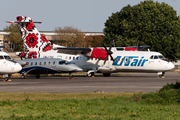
33, 41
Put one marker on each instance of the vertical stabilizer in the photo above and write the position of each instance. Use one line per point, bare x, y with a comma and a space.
34, 42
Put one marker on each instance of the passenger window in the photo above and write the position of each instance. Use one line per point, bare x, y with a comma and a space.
151, 57
69, 58
49, 63
73, 58
155, 57
35, 63
66, 57
54, 63
1, 57
77, 58
44, 63
39, 63
31, 63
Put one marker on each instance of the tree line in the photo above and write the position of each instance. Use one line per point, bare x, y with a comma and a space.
152, 23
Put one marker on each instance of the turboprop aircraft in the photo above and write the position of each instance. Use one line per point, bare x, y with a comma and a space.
91, 60
47, 66
8, 66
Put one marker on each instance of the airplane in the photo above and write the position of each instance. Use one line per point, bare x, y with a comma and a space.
8, 66
91, 60
47, 66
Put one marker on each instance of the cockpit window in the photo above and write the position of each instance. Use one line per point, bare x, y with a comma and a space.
7, 57
152, 57
161, 57
155, 57
64, 62
1, 57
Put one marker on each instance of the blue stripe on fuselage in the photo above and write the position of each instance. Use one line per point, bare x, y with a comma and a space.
130, 61
35, 67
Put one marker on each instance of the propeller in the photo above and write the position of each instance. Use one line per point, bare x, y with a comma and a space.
108, 52
138, 46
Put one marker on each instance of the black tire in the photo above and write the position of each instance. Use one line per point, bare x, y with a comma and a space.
37, 76
106, 74
22, 76
91, 74
6, 79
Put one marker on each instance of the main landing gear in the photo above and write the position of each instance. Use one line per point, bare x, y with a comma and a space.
7, 77
70, 76
161, 74
90, 73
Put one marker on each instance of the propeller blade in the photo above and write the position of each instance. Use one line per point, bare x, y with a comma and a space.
111, 58
111, 45
105, 47
105, 60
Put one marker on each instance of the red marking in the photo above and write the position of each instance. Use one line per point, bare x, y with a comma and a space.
9, 21
19, 18
43, 38
32, 54
22, 54
30, 26
130, 49
99, 53
47, 48
31, 40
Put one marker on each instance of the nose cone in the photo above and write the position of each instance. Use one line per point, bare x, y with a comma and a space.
17, 67
170, 66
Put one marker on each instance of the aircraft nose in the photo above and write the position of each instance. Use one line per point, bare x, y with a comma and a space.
17, 67
170, 66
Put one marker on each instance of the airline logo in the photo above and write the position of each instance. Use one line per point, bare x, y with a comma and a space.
135, 61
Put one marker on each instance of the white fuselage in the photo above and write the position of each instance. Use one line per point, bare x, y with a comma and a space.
7, 66
126, 61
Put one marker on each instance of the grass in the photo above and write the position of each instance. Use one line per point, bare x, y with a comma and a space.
54, 96
80, 106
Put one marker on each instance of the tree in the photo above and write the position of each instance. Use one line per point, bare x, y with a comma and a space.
14, 36
69, 36
97, 41
94, 41
153, 23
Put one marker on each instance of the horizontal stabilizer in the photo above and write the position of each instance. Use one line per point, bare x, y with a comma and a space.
72, 50
21, 22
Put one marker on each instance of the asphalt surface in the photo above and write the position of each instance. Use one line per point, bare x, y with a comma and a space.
125, 82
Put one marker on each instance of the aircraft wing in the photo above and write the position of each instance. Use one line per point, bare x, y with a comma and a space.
141, 48
22, 63
72, 50
99, 53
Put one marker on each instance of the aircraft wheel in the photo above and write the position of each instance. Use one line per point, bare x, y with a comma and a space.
22, 76
161, 76
37, 76
6, 79
91, 74
106, 74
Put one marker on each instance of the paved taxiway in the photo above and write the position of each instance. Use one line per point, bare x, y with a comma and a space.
125, 82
